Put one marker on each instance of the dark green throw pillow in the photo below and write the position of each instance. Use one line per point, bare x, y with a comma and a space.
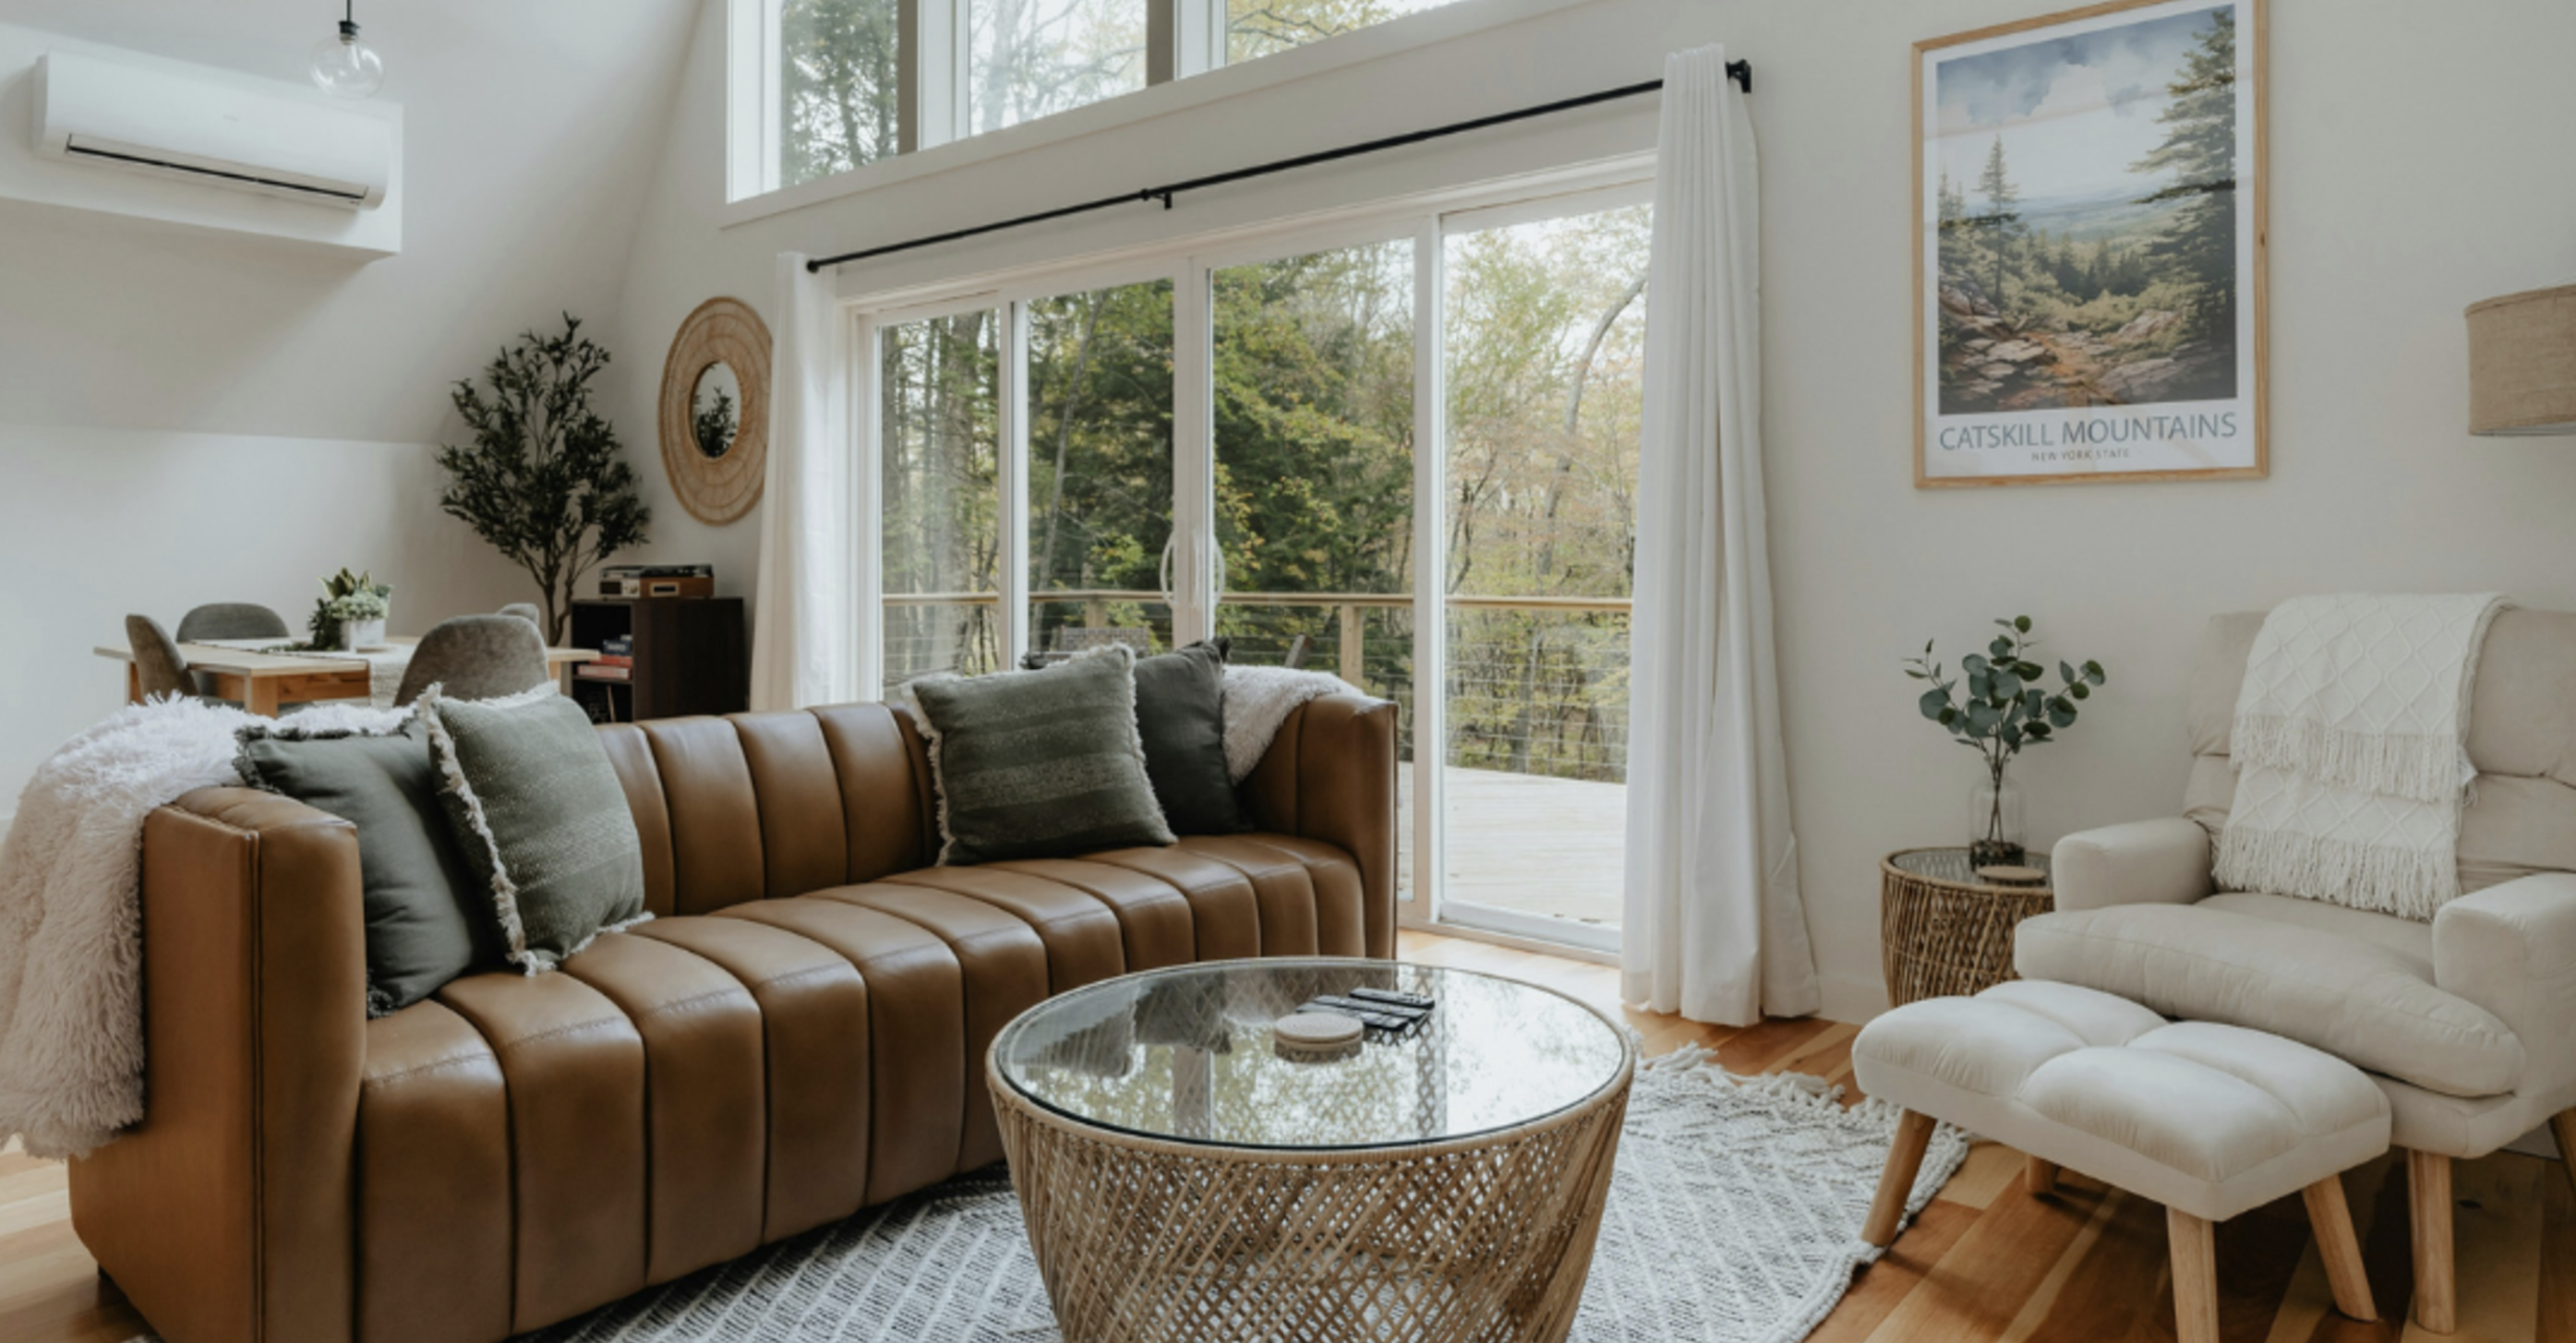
1180, 714
1043, 764
537, 811
419, 896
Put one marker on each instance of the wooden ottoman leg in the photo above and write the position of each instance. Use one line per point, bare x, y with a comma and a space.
2037, 1176
2331, 1218
2428, 1199
2195, 1277
2563, 1126
1904, 1162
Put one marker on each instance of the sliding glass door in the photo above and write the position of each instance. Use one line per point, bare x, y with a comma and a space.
939, 483
1404, 453
1312, 391
1543, 335
1100, 467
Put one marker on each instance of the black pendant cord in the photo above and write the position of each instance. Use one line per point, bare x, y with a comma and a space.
1739, 71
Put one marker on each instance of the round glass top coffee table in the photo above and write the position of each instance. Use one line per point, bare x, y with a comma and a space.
1187, 1177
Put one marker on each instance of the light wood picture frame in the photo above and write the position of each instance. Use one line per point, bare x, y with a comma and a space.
715, 410
2090, 301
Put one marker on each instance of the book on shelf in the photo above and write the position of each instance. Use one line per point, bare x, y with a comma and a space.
657, 580
593, 671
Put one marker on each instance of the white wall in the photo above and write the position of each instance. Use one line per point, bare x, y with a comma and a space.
190, 416
2410, 177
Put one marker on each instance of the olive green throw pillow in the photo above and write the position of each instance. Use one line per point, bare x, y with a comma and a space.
538, 812
1043, 764
419, 897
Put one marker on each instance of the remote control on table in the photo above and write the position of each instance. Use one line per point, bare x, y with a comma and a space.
1393, 998
1374, 1010
1373, 1020
1408, 1014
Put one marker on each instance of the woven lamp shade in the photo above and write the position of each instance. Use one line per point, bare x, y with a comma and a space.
2522, 363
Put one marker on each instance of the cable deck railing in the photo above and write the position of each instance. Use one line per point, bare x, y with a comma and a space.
1536, 684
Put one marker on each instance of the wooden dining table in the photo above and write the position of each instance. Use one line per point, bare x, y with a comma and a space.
261, 681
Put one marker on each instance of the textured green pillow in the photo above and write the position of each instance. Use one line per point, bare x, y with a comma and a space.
1043, 764
1180, 715
537, 810
419, 898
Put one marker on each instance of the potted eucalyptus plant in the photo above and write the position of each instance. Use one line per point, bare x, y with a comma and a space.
2004, 709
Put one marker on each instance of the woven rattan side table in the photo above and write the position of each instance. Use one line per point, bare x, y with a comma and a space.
1944, 930
1185, 1179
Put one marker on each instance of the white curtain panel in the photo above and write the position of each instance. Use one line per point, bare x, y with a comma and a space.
804, 634
1715, 929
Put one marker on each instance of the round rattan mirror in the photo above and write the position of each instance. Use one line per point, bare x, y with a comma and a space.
715, 410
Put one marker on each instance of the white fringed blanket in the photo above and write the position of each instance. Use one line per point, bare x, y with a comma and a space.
2350, 743
1258, 700
71, 946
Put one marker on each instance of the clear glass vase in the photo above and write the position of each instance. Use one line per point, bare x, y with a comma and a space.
1994, 823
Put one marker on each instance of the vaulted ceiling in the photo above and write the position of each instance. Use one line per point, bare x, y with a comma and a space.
531, 133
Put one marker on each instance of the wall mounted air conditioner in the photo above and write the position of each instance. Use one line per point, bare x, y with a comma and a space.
154, 120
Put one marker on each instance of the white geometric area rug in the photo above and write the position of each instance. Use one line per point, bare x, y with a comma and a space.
1734, 1217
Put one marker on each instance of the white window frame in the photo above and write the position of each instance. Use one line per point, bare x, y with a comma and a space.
1191, 265
1185, 68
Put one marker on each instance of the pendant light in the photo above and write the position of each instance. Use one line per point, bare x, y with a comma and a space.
345, 67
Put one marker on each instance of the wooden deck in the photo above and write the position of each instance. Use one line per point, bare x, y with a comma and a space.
1535, 845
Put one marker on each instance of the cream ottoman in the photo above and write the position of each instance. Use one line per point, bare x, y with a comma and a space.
2209, 1120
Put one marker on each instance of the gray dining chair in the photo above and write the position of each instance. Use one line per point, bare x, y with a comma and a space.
158, 667
476, 657
228, 620
528, 612
231, 620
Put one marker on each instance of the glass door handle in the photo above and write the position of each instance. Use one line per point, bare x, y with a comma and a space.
1170, 598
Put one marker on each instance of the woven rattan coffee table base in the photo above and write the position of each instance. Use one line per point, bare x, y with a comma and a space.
1478, 1240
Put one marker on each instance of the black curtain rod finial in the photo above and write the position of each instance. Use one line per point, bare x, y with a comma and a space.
1742, 73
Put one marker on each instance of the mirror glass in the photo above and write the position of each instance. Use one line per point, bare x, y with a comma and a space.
715, 409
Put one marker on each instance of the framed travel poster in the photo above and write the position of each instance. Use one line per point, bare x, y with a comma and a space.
2088, 267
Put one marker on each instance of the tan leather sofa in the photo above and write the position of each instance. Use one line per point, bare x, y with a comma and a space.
797, 1035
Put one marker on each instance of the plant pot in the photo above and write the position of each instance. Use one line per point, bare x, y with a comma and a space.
1995, 824
357, 634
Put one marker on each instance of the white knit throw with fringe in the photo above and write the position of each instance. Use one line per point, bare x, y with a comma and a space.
1734, 1217
2350, 744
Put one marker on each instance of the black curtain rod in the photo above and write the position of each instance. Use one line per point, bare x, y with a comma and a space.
1739, 71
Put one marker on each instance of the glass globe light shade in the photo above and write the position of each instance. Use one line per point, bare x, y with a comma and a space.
345, 67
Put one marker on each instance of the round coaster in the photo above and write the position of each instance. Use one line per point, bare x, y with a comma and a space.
1316, 1030
2012, 874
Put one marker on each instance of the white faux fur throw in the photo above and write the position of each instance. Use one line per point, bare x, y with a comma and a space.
1258, 700
71, 949
2350, 743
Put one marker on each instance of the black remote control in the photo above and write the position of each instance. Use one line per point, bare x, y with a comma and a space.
1377, 1008
1393, 998
1373, 1020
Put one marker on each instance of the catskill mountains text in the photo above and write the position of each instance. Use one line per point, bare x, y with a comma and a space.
2091, 431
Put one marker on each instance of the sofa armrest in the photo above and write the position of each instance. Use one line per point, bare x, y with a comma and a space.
1330, 775
2511, 949
2160, 862
225, 1214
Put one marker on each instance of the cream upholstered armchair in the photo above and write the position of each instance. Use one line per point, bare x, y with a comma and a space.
2468, 1022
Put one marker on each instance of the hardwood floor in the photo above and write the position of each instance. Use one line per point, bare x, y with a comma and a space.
1985, 1263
